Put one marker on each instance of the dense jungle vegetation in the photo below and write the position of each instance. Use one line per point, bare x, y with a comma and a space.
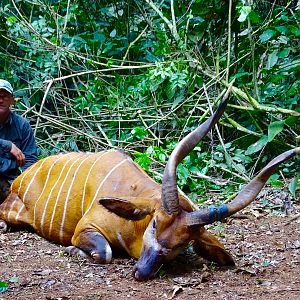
139, 75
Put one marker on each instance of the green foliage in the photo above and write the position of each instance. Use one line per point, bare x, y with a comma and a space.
294, 185
3, 286
274, 128
126, 74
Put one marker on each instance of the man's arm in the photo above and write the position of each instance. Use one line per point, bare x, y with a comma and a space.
28, 146
5, 146
18, 154
23, 157
6, 163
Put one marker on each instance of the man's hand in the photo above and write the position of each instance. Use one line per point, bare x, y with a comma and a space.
18, 154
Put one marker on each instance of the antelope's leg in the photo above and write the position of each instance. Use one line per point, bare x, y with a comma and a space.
208, 247
3, 223
13, 212
3, 226
90, 244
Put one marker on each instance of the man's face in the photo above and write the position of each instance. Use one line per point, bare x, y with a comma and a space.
6, 100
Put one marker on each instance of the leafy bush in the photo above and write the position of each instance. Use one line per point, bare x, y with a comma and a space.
139, 76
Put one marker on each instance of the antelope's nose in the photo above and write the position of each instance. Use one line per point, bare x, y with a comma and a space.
136, 274
140, 275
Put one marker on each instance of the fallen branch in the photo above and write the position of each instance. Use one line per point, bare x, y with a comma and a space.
292, 219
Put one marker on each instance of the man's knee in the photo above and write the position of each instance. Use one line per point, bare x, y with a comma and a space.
4, 189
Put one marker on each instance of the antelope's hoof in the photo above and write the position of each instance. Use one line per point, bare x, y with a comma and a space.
98, 259
3, 226
74, 251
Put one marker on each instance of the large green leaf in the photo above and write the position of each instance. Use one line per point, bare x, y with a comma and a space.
293, 186
274, 128
257, 146
245, 11
170, 91
272, 59
266, 35
3, 286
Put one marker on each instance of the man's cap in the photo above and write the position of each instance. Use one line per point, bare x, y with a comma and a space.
5, 85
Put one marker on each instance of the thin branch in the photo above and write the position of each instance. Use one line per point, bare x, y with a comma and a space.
252, 47
71, 128
99, 71
175, 33
246, 178
132, 43
42, 104
242, 128
169, 24
292, 219
229, 41
148, 128
66, 16
104, 135
30, 26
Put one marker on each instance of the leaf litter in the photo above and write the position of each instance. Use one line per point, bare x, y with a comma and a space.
266, 249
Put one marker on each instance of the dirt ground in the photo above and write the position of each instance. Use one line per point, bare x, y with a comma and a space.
263, 240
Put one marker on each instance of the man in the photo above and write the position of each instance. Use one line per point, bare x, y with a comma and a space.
17, 144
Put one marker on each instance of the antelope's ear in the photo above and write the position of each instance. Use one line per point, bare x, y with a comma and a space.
125, 209
211, 249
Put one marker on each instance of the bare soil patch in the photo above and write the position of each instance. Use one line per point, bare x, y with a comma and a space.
266, 250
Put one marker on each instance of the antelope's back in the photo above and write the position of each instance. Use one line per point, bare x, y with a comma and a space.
56, 192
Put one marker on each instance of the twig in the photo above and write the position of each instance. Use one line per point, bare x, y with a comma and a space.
42, 105
57, 47
252, 47
132, 43
30, 26
219, 134
241, 128
258, 106
209, 178
190, 115
276, 17
233, 173
186, 29
147, 127
104, 135
99, 71
66, 16
247, 97
71, 128
229, 41
175, 33
292, 219
169, 24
